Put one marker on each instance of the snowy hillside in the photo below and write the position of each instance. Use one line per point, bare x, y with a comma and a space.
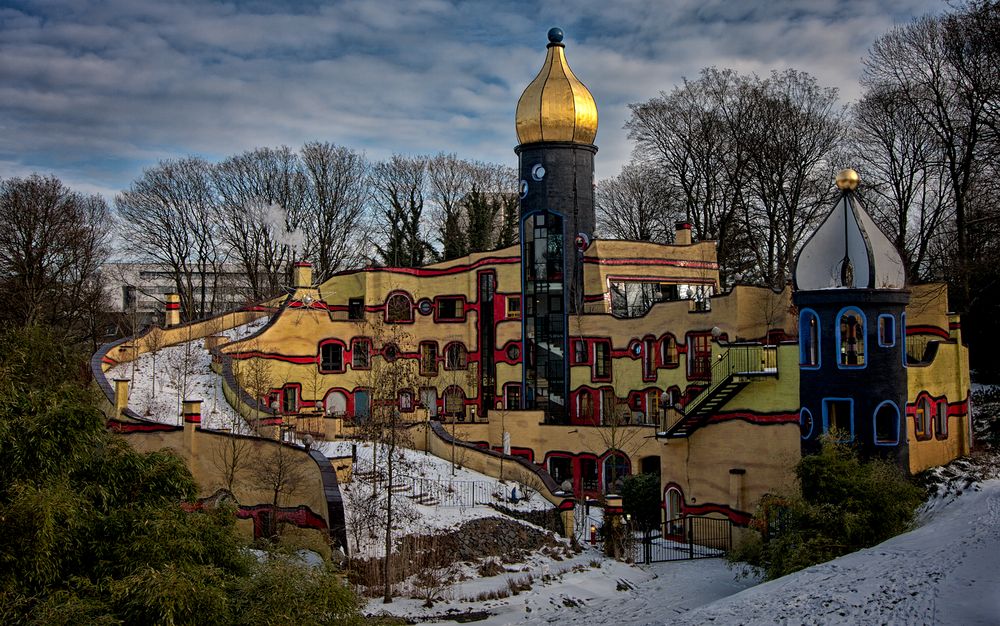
944, 572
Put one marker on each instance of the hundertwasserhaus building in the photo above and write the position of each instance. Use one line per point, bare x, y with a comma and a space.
597, 358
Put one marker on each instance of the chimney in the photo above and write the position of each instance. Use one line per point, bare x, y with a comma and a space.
302, 275
682, 236
192, 420
173, 311
121, 396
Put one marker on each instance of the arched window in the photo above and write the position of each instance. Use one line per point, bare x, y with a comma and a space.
336, 404
902, 337
852, 338
616, 468
941, 419
887, 424
454, 402
585, 405
455, 357
886, 331
668, 351
925, 413
673, 500
398, 309
652, 412
809, 339
649, 358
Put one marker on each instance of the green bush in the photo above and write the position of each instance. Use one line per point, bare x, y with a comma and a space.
93, 532
843, 504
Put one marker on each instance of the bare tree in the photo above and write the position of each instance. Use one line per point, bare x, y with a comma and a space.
334, 206
260, 202
399, 189
52, 244
449, 179
798, 127
906, 186
388, 376
748, 159
619, 436
945, 70
164, 218
255, 375
155, 341
635, 206
280, 473
235, 454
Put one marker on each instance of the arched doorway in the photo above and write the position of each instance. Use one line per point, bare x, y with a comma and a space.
336, 403
673, 501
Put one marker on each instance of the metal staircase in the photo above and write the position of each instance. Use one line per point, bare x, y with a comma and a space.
735, 368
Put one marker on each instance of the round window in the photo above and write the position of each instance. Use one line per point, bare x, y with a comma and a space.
538, 172
806, 422
524, 188
513, 352
390, 352
425, 306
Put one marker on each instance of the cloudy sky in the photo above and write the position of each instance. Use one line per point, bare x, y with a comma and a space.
95, 92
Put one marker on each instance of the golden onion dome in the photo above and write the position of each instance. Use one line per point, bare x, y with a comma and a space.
556, 106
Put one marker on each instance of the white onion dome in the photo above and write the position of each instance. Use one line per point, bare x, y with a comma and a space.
848, 251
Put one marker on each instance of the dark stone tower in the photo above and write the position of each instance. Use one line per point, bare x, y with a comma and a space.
556, 125
851, 296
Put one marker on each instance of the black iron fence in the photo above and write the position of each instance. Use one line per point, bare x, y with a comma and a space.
685, 538
445, 492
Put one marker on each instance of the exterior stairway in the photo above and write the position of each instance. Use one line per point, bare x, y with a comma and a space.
736, 368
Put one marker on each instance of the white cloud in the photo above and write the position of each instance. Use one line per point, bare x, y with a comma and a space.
93, 92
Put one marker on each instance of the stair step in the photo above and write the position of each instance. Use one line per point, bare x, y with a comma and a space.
400, 488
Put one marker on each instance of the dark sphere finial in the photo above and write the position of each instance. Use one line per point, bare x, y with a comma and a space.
555, 35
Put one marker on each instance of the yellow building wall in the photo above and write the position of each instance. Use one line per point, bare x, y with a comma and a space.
945, 379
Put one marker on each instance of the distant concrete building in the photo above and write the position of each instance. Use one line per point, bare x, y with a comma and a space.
139, 290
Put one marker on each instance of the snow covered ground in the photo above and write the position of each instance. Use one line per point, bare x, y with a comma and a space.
587, 589
944, 572
458, 494
182, 372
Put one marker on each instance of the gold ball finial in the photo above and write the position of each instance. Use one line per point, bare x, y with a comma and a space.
848, 179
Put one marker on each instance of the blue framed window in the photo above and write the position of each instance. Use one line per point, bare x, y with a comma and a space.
809, 350
886, 331
806, 424
838, 414
902, 337
852, 339
886, 424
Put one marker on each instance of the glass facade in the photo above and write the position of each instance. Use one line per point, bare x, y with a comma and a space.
544, 315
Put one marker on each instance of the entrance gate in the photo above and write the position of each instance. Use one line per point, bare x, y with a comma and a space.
685, 538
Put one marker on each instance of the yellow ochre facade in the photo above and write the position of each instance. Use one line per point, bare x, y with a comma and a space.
597, 358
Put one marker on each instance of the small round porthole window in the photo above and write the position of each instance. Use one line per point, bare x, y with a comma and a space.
425, 306
524, 188
806, 422
538, 172
513, 352
390, 352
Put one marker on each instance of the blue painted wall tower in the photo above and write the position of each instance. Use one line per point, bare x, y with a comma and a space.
556, 126
850, 291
